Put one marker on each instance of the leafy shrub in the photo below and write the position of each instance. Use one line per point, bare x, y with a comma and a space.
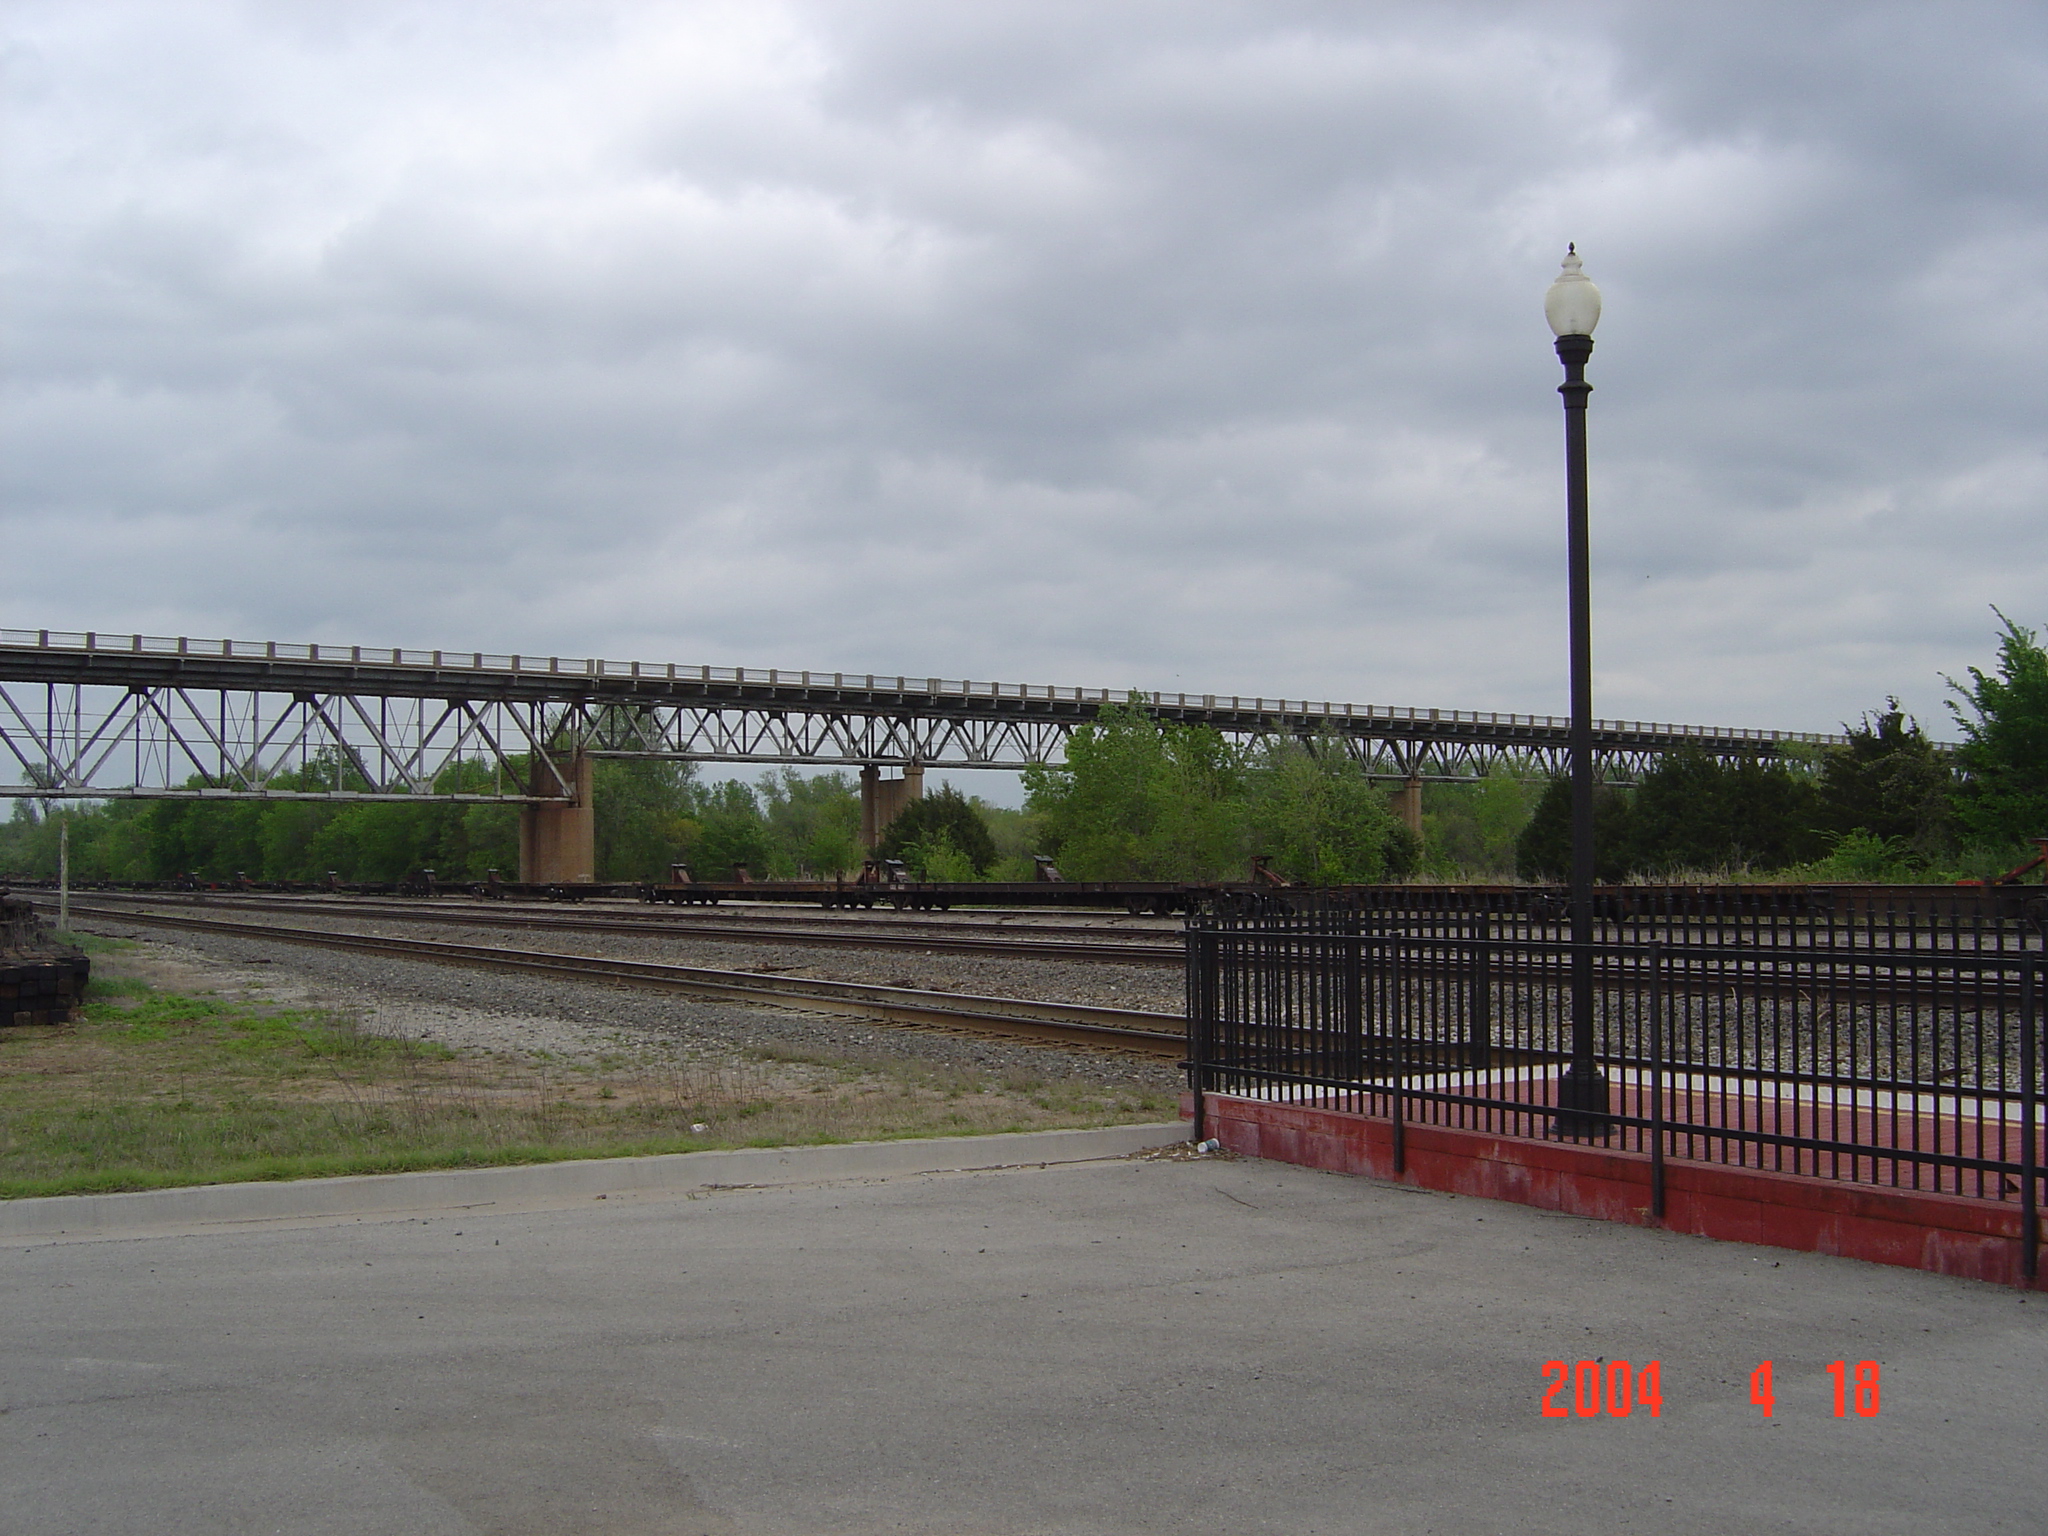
941, 828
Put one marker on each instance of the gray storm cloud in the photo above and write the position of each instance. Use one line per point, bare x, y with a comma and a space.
1179, 346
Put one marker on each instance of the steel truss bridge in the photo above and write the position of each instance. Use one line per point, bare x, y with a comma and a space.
96, 716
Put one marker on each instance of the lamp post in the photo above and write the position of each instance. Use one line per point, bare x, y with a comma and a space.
1572, 306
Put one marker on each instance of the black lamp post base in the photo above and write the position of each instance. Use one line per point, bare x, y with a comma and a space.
1582, 1106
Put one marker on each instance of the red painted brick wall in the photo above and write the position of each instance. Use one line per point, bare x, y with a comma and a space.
1946, 1234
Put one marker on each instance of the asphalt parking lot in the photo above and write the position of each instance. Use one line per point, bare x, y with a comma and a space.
1110, 1346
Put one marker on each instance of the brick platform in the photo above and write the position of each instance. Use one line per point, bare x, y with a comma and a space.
1944, 1234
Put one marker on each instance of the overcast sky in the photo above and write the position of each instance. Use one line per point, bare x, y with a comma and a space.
1175, 345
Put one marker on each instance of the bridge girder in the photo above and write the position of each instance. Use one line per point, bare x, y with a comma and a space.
105, 717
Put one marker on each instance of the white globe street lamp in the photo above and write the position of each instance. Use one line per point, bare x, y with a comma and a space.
1572, 306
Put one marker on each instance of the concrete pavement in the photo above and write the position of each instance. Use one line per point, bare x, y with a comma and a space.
1120, 1346
544, 1186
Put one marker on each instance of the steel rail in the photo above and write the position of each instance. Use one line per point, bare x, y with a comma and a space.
961, 940
1781, 969
650, 914
1070, 1023
1152, 1034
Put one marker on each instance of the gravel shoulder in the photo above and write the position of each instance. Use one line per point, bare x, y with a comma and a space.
578, 1021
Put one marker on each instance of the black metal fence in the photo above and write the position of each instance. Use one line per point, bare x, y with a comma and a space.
1871, 1041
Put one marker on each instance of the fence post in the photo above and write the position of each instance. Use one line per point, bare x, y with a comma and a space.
1352, 1070
1199, 956
2030, 1086
1479, 1030
1657, 1081
1399, 1010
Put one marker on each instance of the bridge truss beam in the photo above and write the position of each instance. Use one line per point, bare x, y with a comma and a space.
104, 717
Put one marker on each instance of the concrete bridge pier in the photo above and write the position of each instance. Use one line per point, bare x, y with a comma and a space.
558, 843
1408, 805
882, 800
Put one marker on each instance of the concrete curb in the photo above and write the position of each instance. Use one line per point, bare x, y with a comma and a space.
676, 1173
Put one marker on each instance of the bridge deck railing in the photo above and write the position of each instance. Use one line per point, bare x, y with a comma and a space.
444, 661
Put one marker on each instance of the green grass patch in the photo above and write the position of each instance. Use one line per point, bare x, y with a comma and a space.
152, 1089
94, 944
103, 988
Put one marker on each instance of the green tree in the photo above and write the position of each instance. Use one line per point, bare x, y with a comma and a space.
106, 840
641, 815
1138, 799
724, 829
214, 839
490, 834
812, 823
1543, 851
287, 836
23, 839
1694, 812
1017, 838
1470, 829
1319, 818
935, 857
114, 847
939, 831
2003, 796
391, 839
1891, 783
475, 839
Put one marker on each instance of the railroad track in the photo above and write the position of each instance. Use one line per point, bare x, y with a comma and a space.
1690, 965
935, 937
661, 914
1121, 1029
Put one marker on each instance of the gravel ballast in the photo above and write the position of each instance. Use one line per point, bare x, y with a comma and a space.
466, 1008
1151, 988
